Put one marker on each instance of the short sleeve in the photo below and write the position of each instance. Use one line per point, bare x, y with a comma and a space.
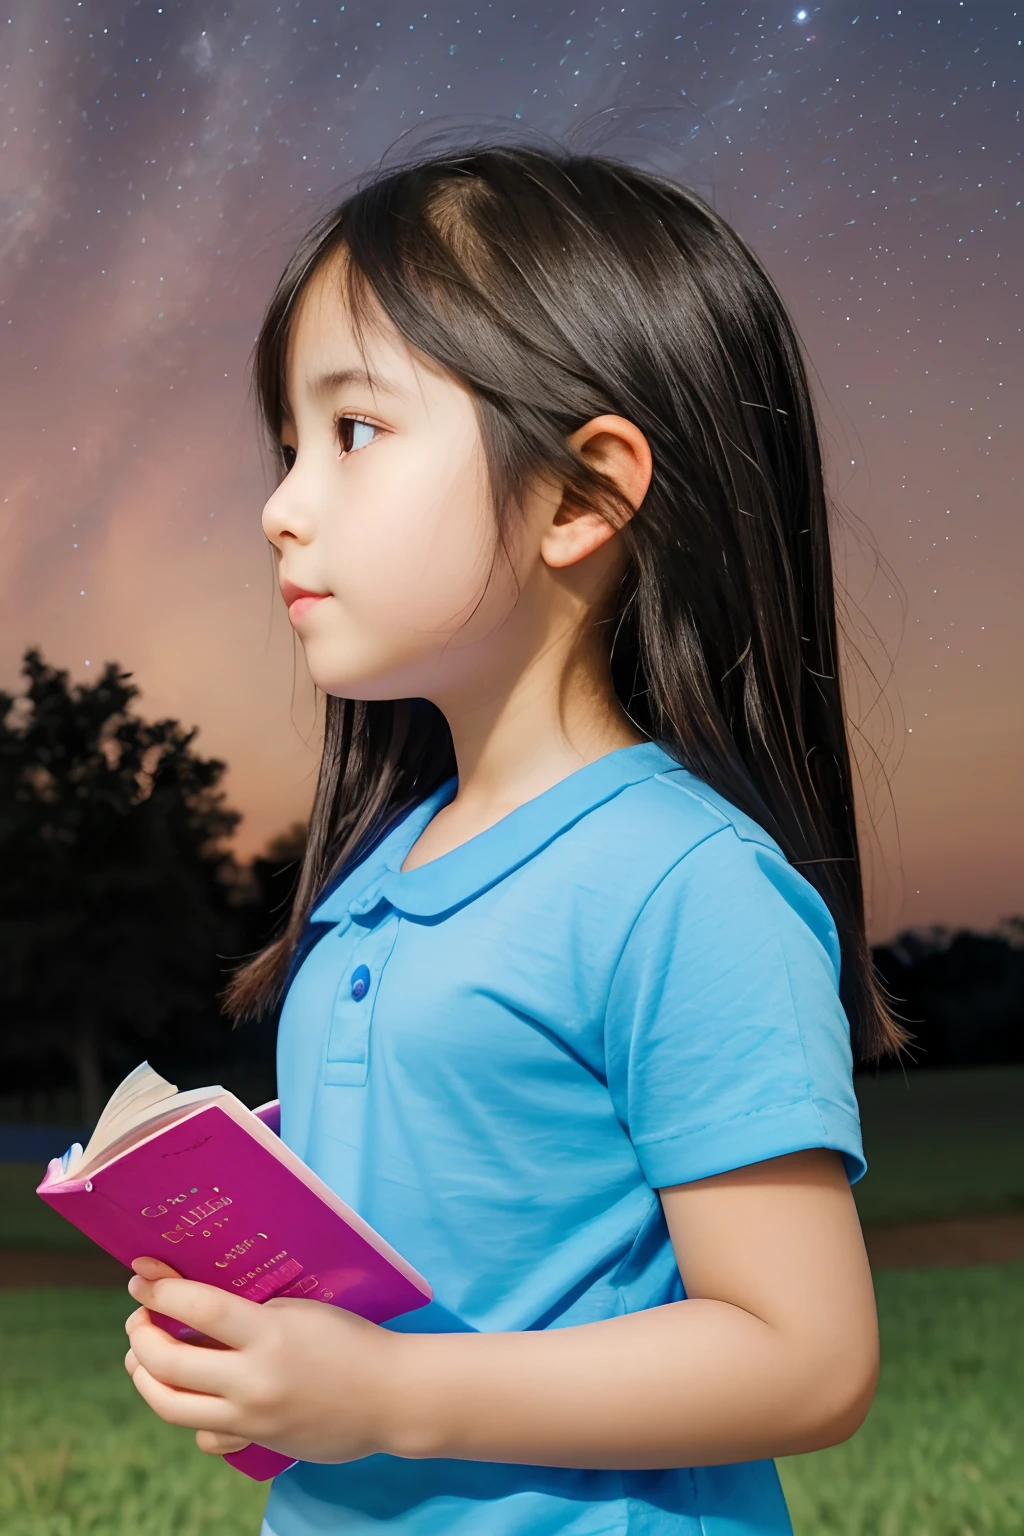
725, 1040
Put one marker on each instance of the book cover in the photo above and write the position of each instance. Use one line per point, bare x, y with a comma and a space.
218, 1196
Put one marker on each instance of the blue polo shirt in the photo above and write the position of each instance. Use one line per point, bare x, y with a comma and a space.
499, 1057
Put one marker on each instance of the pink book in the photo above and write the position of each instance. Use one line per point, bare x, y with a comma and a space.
207, 1185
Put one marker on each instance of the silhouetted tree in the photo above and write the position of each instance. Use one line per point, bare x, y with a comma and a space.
962, 993
112, 853
274, 874
122, 910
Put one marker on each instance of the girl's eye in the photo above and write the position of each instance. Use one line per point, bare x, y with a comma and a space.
354, 433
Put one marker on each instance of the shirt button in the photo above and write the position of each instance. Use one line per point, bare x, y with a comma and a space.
360, 982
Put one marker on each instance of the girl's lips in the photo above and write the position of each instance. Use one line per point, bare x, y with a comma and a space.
302, 605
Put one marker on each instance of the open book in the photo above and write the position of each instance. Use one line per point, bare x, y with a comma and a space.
207, 1185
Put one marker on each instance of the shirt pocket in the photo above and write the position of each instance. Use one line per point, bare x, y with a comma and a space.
348, 1039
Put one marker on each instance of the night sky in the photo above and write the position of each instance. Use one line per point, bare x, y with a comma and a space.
159, 162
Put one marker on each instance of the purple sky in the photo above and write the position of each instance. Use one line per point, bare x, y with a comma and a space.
159, 162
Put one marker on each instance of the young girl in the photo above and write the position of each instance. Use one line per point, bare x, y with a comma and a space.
562, 981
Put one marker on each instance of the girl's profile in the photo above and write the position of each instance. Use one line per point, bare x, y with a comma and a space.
576, 971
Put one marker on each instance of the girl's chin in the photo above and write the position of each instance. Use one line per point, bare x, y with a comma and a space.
373, 682
368, 690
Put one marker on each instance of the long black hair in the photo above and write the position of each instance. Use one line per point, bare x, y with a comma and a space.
557, 287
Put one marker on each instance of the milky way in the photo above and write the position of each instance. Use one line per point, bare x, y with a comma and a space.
159, 161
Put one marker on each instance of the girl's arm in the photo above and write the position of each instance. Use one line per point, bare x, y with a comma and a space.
775, 1351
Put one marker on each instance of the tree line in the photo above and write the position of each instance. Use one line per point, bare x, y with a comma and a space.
123, 910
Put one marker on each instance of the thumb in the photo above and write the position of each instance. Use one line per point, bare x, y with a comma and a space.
154, 1269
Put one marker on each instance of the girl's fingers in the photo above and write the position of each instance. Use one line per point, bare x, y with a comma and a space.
215, 1313
186, 1366
219, 1445
154, 1269
193, 1410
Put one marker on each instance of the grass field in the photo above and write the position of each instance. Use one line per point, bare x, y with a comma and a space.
939, 1455
942, 1143
940, 1451
81, 1453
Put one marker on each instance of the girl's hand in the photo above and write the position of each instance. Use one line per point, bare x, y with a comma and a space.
309, 1380
773, 1353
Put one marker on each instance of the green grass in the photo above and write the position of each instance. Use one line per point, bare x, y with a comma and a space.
80, 1453
939, 1455
25, 1220
942, 1143
940, 1451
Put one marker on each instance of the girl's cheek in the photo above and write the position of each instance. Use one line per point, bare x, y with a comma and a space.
423, 557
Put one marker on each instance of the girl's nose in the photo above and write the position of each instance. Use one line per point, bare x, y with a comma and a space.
284, 517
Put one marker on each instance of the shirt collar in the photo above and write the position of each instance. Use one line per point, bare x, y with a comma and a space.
437, 887
346, 894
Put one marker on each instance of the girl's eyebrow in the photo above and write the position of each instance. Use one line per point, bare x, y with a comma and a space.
327, 383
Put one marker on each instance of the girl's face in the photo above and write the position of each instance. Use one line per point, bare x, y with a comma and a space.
384, 517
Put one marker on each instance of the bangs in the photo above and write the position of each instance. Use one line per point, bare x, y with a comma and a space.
332, 263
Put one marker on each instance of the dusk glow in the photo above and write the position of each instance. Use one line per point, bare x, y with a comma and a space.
158, 170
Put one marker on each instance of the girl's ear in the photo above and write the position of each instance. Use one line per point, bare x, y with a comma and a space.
617, 449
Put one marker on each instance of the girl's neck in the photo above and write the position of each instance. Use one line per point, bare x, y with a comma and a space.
509, 750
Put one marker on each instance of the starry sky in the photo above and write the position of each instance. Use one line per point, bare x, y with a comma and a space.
159, 161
